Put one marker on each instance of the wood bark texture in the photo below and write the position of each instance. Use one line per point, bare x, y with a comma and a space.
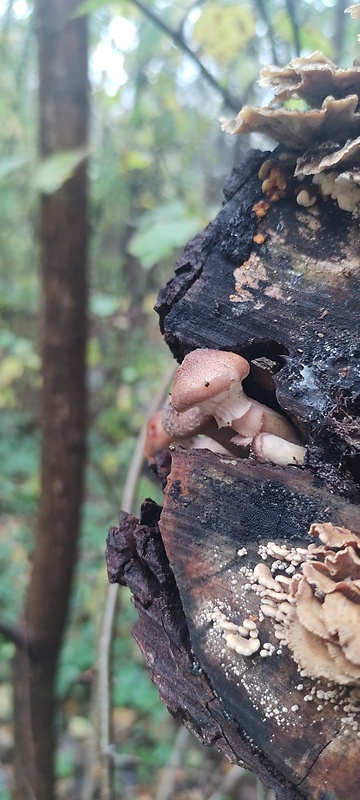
63, 112
287, 300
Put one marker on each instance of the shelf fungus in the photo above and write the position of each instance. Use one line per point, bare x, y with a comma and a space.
316, 612
323, 141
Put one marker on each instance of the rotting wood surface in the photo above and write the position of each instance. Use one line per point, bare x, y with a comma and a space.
290, 305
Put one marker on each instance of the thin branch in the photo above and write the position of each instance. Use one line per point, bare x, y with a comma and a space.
339, 30
193, 5
107, 627
14, 635
178, 38
290, 5
262, 10
234, 775
166, 787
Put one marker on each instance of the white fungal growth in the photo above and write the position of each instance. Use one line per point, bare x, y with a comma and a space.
305, 198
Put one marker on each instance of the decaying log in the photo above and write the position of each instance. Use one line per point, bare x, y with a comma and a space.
293, 299
288, 302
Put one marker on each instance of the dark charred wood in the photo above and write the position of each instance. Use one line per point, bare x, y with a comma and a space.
136, 558
254, 712
293, 299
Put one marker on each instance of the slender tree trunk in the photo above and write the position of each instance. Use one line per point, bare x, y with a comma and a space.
63, 123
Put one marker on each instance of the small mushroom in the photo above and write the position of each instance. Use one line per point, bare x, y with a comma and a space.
305, 198
156, 437
212, 380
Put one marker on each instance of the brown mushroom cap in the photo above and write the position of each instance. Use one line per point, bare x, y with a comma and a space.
156, 438
204, 374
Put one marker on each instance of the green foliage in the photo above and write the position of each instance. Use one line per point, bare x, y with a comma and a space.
161, 231
10, 164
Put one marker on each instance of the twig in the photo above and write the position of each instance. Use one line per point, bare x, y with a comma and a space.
107, 626
178, 38
14, 635
166, 786
231, 778
264, 14
339, 30
290, 5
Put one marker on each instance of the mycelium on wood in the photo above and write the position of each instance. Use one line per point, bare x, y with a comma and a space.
247, 624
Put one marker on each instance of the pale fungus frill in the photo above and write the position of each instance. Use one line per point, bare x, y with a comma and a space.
323, 626
354, 11
301, 129
323, 139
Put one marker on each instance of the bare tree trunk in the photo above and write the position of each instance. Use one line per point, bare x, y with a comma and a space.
63, 115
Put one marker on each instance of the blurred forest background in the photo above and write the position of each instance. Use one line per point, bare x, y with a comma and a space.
161, 73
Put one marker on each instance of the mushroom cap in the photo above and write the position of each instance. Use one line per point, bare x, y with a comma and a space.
204, 374
156, 437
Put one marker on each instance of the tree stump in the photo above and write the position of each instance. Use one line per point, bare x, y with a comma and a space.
279, 285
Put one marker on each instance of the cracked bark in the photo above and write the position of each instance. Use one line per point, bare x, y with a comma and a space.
290, 306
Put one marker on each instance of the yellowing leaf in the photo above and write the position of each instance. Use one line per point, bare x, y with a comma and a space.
136, 159
11, 368
224, 31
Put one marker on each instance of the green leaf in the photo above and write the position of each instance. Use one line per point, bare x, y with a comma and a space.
161, 230
10, 164
159, 242
135, 159
55, 170
104, 305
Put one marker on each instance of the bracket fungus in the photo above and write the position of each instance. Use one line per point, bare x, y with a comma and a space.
316, 612
320, 138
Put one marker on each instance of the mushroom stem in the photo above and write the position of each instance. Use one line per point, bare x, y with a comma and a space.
188, 423
181, 425
268, 447
261, 419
